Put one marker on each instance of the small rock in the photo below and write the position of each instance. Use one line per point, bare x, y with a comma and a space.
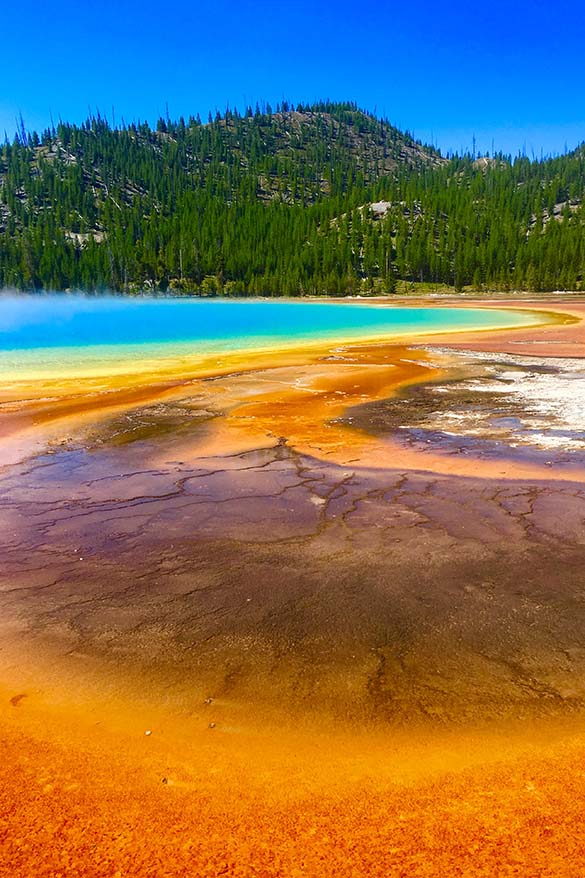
211, 725
148, 733
16, 699
208, 700
164, 780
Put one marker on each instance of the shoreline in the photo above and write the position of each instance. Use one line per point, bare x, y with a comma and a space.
59, 402
197, 363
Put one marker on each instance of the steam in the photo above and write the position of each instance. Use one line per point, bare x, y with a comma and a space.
19, 311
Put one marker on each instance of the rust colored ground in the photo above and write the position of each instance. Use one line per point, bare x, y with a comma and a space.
116, 808
350, 659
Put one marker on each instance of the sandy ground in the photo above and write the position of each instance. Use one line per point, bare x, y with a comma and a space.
242, 636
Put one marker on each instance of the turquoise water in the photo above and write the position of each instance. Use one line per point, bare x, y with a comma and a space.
76, 331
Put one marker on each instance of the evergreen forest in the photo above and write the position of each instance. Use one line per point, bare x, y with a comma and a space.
295, 200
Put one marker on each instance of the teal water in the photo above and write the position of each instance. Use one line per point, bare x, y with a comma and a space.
75, 331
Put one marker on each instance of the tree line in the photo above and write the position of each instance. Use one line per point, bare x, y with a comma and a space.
305, 199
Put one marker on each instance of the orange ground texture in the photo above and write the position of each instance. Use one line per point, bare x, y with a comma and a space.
97, 802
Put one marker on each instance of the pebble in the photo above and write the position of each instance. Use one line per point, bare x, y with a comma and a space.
148, 733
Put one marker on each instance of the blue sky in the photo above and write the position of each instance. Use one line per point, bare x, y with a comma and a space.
510, 73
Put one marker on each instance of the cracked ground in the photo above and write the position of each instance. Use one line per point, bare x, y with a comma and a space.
298, 585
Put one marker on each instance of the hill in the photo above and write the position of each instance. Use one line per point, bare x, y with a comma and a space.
306, 199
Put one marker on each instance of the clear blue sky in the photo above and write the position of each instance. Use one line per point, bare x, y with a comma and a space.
511, 72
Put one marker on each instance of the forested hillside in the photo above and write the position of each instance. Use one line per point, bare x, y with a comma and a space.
310, 199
